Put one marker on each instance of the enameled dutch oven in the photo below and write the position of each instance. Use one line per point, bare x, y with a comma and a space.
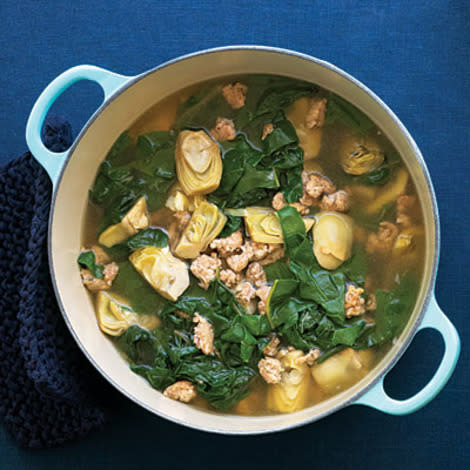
73, 172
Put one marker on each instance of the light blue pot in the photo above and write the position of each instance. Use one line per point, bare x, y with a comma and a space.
72, 172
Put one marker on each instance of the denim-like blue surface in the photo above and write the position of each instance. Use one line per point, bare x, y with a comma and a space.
415, 56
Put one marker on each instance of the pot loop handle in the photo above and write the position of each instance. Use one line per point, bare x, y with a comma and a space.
377, 398
53, 162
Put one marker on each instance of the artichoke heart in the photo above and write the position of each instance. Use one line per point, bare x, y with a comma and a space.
178, 201
206, 223
309, 139
198, 163
263, 226
341, 370
135, 220
291, 393
165, 273
113, 317
332, 239
360, 156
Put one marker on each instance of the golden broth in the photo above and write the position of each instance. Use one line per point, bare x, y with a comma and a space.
383, 268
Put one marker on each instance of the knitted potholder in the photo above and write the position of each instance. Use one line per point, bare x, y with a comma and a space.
47, 388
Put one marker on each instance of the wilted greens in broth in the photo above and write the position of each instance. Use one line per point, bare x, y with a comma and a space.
253, 244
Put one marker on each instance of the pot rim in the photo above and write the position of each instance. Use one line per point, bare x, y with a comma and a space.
435, 215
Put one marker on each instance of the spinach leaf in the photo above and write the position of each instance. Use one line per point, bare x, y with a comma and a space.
339, 110
119, 152
87, 260
298, 247
232, 225
356, 267
135, 289
278, 270
279, 97
139, 345
131, 171
394, 308
282, 135
148, 237
221, 386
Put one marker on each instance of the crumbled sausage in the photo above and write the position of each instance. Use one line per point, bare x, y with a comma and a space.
270, 369
229, 278
405, 204
315, 185
203, 334
353, 301
245, 293
235, 94
239, 262
310, 358
263, 293
316, 113
279, 202
267, 129
273, 256
265, 253
205, 267
383, 240
228, 245
182, 390
272, 347
337, 201
94, 284
371, 303
255, 274
261, 250
224, 129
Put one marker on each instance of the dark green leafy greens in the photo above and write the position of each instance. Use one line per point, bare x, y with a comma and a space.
168, 354
340, 110
308, 308
87, 260
146, 237
130, 171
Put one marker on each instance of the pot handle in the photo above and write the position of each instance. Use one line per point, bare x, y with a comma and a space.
53, 162
377, 398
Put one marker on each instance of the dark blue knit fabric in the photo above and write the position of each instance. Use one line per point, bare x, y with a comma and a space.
45, 382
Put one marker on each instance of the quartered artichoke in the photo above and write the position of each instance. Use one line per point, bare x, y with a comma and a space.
262, 224
178, 201
360, 156
206, 223
332, 239
309, 139
291, 393
165, 273
341, 370
198, 163
113, 317
135, 220
390, 192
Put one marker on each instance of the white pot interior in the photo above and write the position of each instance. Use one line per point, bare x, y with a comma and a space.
91, 148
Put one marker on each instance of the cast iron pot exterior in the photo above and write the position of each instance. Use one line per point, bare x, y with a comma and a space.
73, 172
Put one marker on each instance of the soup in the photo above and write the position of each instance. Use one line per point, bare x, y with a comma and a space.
253, 245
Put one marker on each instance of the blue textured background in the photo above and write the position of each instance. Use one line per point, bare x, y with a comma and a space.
414, 55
